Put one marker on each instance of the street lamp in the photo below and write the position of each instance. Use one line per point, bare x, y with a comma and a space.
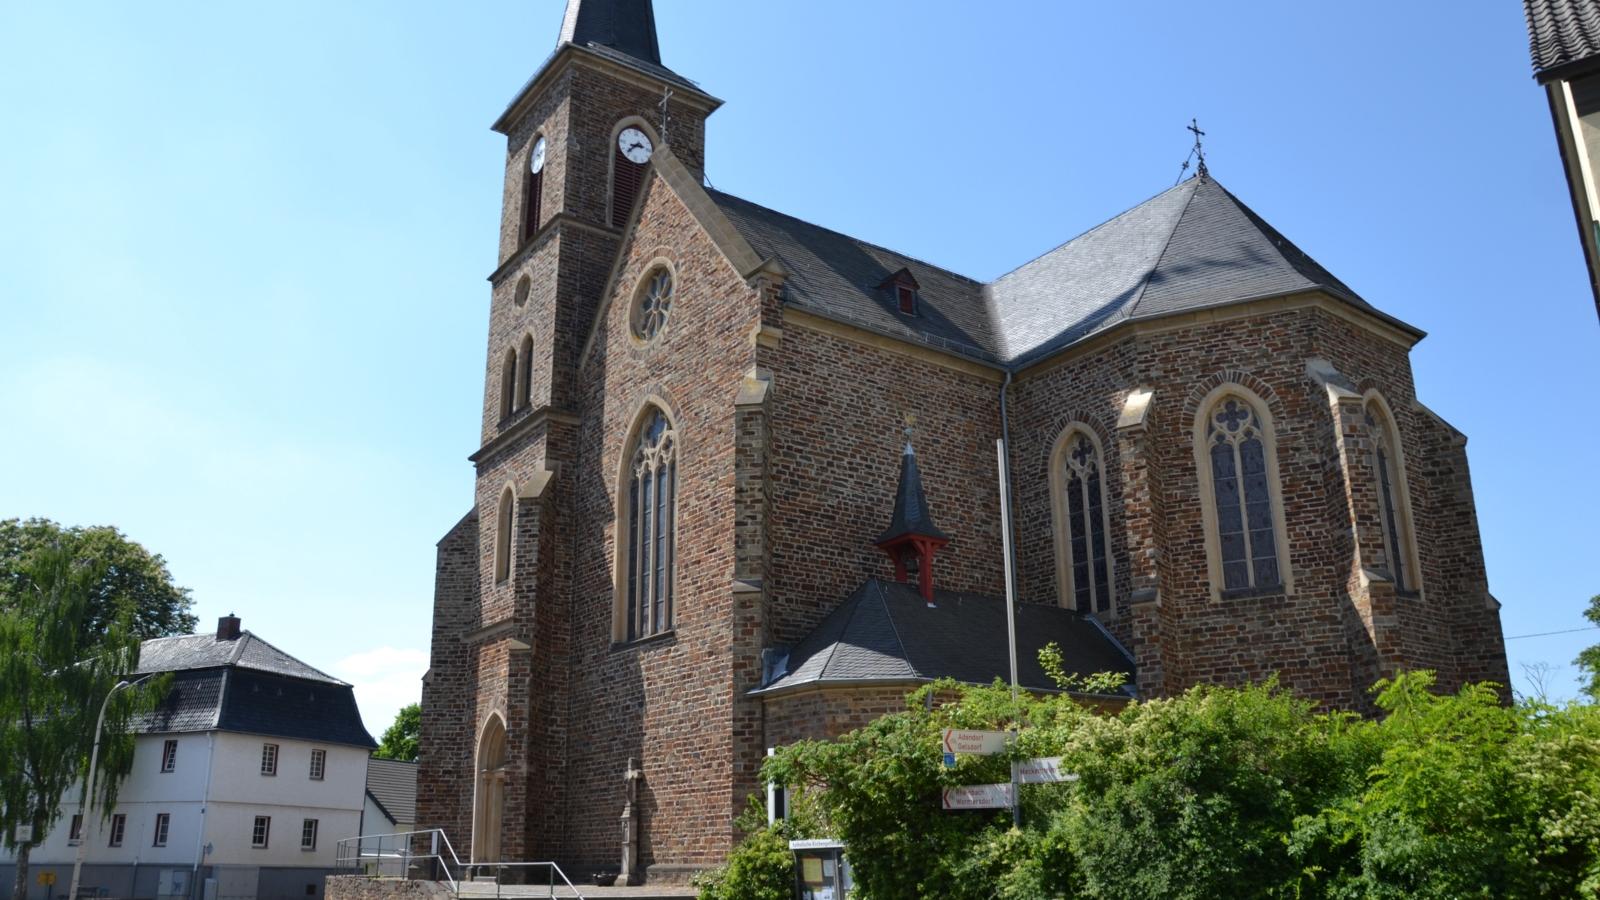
84, 799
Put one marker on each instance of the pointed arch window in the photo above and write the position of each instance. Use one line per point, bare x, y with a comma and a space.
533, 190
1237, 454
1083, 548
525, 372
503, 522
649, 513
1393, 505
508, 382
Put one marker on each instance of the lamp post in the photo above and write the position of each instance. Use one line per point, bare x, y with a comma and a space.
84, 799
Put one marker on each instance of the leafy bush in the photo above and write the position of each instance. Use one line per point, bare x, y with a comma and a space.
1217, 792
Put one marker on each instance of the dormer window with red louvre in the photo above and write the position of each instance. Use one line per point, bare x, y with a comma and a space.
903, 288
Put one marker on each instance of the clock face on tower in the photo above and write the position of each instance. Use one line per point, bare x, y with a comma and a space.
536, 158
635, 145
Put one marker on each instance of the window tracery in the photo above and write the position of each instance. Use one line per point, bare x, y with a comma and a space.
1081, 488
1236, 450
650, 513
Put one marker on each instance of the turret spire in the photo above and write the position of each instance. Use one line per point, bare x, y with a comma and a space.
912, 538
627, 26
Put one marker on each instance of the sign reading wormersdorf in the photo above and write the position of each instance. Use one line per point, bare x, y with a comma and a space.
978, 796
983, 743
1045, 770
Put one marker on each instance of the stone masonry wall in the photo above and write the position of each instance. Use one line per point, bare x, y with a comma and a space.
668, 700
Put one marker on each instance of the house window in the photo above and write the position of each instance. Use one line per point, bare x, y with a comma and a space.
319, 762
169, 756
1082, 521
269, 759
502, 535
119, 825
1393, 503
647, 522
261, 831
308, 834
75, 832
163, 823
1239, 471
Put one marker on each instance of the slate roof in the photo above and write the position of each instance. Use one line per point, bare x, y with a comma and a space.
911, 514
628, 26
393, 783
1561, 32
247, 685
838, 276
204, 651
1195, 246
885, 632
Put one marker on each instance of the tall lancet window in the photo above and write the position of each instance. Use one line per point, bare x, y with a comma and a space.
1082, 545
1392, 505
1236, 448
649, 512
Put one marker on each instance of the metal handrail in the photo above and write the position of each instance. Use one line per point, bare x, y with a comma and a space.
402, 851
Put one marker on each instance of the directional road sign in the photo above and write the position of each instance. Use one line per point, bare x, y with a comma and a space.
978, 796
984, 743
1046, 770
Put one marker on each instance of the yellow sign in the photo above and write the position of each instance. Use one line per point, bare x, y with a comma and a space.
47, 879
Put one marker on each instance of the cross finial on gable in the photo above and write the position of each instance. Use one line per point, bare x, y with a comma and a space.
1197, 153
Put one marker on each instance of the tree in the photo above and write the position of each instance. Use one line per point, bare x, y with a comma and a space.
54, 674
132, 580
400, 741
1589, 660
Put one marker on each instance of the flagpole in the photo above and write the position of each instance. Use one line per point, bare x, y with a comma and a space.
1011, 609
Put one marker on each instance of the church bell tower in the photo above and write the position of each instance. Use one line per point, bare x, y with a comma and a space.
579, 140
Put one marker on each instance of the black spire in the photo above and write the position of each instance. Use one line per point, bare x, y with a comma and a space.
627, 26
910, 506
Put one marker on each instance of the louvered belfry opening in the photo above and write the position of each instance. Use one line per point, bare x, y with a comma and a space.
532, 193
626, 177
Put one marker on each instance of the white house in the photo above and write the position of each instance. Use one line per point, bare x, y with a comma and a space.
244, 779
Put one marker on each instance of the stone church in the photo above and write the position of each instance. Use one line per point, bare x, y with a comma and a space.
702, 526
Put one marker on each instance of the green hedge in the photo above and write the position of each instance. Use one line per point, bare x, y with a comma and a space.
1218, 792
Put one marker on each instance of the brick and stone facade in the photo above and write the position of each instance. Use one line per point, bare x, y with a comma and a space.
788, 424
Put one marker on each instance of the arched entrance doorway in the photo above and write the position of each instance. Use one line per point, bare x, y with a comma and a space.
490, 797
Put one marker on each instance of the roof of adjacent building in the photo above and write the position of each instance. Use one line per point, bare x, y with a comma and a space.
1193, 247
885, 633
393, 784
1561, 32
204, 651
247, 685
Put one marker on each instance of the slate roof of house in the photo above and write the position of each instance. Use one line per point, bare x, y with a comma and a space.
247, 685
393, 783
1192, 247
1561, 32
885, 632
204, 651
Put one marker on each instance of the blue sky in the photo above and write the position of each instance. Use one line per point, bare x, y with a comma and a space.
243, 247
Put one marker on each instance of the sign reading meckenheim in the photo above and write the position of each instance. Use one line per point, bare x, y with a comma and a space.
978, 796
1045, 770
